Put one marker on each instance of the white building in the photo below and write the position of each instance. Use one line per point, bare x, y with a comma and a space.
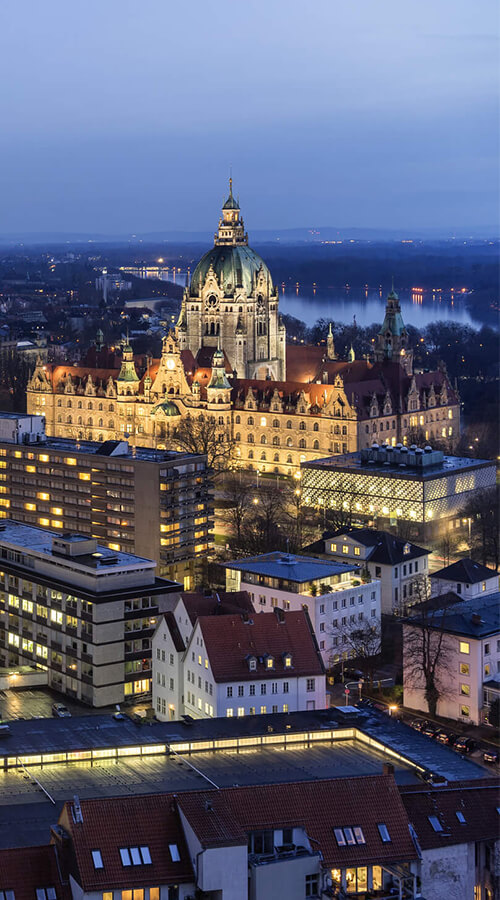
333, 593
401, 566
466, 578
237, 665
469, 662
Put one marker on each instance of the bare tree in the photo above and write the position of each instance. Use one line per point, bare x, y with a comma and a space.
263, 531
202, 434
340, 513
482, 513
237, 500
427, 655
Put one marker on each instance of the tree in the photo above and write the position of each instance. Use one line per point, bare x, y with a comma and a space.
339, 514
15, 372
364, 643
202, 434
482, 513
427, 655
263, 531
237, 510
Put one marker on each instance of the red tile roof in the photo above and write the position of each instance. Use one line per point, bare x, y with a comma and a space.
478, 801
219, 817
109, 824
24, 869
230, 641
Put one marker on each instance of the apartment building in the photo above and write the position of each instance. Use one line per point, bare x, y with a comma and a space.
468, 667
83, 613
338, 600
151, 502
466, 578
237, 665
401, 566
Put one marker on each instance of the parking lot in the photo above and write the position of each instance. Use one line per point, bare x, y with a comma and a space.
31, 703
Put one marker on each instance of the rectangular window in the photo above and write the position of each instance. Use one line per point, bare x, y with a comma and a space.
464, 669
251, 690
125, 856
384, 833
240, 690
312, 885
339, 837
310, 684
229, 692
357, 551
174, 852
464, 647
436, 824
465, 689
486, 649
97, 859
263, 710
465, 711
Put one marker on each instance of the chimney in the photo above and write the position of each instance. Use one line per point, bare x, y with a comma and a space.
387, 769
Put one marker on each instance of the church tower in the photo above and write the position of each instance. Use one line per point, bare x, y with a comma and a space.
231, 302
392, 339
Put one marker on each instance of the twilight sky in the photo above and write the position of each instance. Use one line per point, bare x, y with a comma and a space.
123, 116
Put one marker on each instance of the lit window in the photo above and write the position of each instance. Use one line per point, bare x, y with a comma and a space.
44, 522
349, 836
174, 852
464, 647
42, 496
97, 859
345, 548
358, 834
70, 461
31, 468
269, 662
229, 713
465, 711
84, 476
465, 689
30, 506
357, 551
339, 837
333, 548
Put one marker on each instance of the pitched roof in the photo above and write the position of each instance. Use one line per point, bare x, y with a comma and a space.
219, 817
24, 869
477, 618
231, 640
466, 571
387, 548
217, 604
110, 824
476, 801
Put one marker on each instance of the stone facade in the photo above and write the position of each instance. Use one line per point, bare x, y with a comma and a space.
228, 359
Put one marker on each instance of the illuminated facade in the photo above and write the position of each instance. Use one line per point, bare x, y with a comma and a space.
228, 360
82, 612
390, 485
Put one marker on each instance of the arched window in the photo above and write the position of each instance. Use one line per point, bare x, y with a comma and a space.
59, 418
344, 429
69, 420
100, 437
289, 458
237, 436
111, 423
69, 404
100, 406
276, 423
111, 408
276, 457
59, 402
79, 420
263, 456
337, 429
79, 404
100, 423
374, 428
302, 426
250, 420
89, 405
250, 438
250, 454
238, 420
263, 439
289, 442
289, 424
316, 445
315, 427
276, 440
302, 444
89, 421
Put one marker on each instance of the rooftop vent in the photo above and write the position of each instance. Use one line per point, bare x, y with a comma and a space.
476, 619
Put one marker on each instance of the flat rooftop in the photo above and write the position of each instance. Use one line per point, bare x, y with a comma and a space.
31, 798
291, 567
39, 540
352, 462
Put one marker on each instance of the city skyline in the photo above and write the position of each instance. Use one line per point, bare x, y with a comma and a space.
120, 120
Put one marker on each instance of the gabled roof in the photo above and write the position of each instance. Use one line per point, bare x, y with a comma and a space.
477, 618
221, 817
217, 604
387, 549
110, 824
476, 801
175, 634
24, 869
465, 571
231, 640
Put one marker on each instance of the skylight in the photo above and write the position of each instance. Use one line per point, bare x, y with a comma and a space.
436, 824
384, 833
461, 818
41, 894
358, 834
125, 856
97, 859
349, 836
339, 836
146, 856
136, 856
7, 895
174, 852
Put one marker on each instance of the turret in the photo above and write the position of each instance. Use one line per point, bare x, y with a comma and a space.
231, 229
392, 339
128, 379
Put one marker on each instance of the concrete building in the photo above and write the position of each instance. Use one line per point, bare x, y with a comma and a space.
468, 662
150, 502
282, 404
80, 611
400, 566
389, 485
237, 665
337, 599
466, 578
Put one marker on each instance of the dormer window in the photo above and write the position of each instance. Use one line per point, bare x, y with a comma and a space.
287, 660
252, 663
269, 662
406, 549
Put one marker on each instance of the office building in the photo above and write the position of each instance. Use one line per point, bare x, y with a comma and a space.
388, 485
150, 502
80, 611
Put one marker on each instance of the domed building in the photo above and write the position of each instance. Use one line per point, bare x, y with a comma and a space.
232, 302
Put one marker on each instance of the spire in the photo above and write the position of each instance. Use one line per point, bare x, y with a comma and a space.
351, 355
231, 229
330, 344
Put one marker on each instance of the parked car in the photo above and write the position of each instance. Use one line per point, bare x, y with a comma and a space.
491, 755
444, 737
430, 729
417, 724
432, 778
465, 745
61, 711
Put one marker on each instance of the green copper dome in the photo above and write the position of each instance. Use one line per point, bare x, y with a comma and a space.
167, 408
238, 264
